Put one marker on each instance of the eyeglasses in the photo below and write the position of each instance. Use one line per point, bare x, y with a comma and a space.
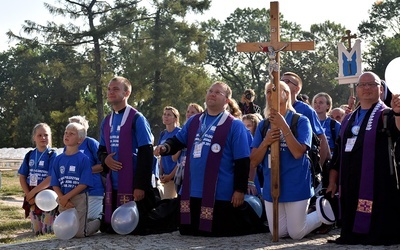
287, 81
210, 92
367, 84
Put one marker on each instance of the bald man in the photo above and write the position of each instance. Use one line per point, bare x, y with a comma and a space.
368, 187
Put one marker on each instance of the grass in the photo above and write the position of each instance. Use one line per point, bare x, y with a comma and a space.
10, 185
14, 227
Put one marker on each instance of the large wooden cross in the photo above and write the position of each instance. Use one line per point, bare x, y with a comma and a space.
273, 48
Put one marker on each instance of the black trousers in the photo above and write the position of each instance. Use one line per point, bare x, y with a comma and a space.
227, 220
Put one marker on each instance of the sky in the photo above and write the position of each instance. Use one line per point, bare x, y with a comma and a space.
349, 13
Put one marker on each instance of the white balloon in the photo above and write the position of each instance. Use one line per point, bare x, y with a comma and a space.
125, 218
66, 225
392, 76
46, 200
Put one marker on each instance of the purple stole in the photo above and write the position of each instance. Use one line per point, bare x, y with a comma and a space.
125, 175
363, 216
211, 171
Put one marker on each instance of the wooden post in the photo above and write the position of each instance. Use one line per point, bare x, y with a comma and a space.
273, 48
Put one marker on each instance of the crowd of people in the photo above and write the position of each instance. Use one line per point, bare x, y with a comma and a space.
198, 175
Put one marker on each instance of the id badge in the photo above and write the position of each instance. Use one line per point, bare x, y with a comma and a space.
33, 180
350, 144
41, 163
197, 150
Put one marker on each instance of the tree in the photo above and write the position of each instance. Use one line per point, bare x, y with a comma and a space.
384, 21
317, 68
163, 58
53, 76
322, 64
165, 54
75, 34
382, 32
239, 70
29, 116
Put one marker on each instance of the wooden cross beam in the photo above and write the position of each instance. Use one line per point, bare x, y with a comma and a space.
273, 48
348, 38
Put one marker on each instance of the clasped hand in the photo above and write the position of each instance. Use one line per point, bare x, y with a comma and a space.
278, 121
275, 118
159, 150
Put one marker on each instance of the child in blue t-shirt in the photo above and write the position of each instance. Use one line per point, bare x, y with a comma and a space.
34, 176
89, 147
71, 178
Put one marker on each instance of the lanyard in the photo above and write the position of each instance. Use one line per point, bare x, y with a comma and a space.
358, 121
204, 129
360, 117
36, 160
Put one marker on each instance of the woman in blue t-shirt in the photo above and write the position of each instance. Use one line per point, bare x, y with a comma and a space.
168, 166
192, 109
294, 175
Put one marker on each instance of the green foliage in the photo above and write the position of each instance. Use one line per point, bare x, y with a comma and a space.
49, 76
321, 65
384, 20
382, 32
162, 57
318, 68
239, 70
29, 116
380, 55
64, 71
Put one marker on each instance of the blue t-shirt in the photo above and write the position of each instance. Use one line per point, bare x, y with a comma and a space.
69, 171
141, 136
326, 125
39, 164
305, 109
295, 174
235, 148
167, 163
89, 147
